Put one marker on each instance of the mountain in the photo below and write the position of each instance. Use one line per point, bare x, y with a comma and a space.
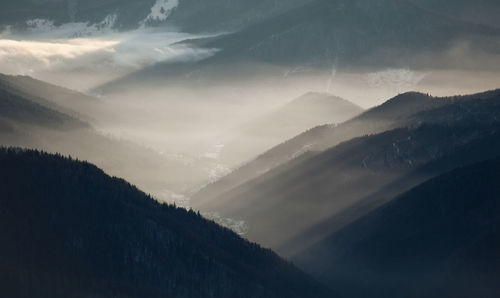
320, 185
392, 114
197, 16
128, 13
32, 113
481, 11
39, 115
305, 112
343, 34
70, 230
439, 239
360, 32
226, 16
194, 16
76, 104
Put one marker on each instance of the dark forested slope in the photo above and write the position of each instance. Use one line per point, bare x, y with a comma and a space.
69, 230
440, 239
355, 32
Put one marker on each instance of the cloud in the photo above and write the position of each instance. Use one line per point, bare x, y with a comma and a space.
52, 51
96, 52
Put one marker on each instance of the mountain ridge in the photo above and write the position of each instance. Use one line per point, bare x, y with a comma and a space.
327, 182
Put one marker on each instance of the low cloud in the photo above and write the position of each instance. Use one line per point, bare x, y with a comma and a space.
92, 54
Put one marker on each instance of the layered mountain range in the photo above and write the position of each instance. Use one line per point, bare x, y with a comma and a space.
329, 178
397, 200
35, 114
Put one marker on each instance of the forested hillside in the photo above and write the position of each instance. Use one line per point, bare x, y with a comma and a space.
69, 230
440, 239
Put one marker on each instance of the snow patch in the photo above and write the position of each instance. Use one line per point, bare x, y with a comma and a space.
304, 149
171, 197
40, 25
240, 227
398, 80
161, 10
217, 171
42, 28
215, 151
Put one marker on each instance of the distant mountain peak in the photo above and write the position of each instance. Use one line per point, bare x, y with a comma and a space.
314, 97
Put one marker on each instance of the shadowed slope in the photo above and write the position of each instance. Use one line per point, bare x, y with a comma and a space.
70, 230
437, 240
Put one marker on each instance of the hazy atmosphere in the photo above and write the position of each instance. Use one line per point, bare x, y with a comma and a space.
274, 148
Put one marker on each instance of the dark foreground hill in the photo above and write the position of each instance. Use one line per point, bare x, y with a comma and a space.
69, 230
440, 239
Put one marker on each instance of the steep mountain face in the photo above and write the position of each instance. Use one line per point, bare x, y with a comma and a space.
439, 239
214, 16
227, 16
349, 175
303, 113
344, 34
351, 33
481, 11
70, 230
34, 114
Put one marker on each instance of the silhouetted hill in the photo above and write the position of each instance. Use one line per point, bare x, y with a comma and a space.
69, 230
307, 111
322, 185
439, 239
